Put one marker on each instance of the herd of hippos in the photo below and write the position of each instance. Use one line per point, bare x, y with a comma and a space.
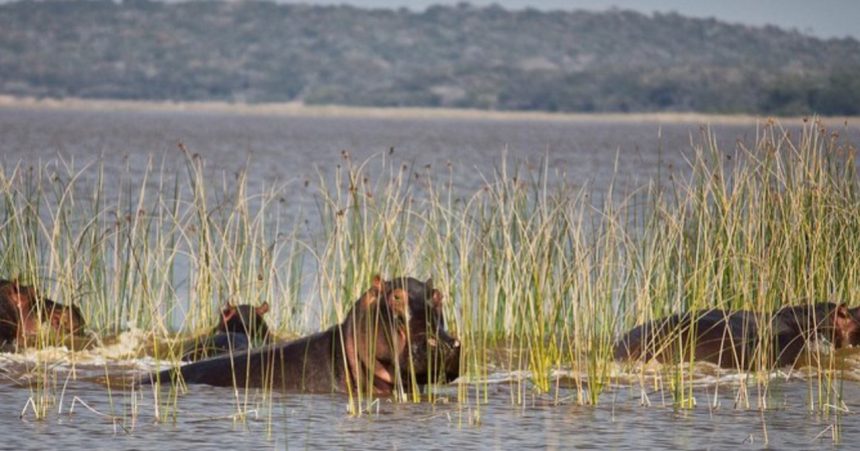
394, 338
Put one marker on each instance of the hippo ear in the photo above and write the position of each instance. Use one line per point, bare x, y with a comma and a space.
429, 283
19, 297
842, 313
57, 320
229, 311
372, 294
376, 282
262, 308
437, 298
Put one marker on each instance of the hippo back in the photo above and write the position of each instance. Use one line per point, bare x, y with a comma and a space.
721, 337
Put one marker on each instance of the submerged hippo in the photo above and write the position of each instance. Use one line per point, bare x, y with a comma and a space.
23, 313
733, 339
239, 328
393, 338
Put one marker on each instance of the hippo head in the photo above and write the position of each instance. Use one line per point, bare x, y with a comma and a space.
24, 312
397, 336
434, 354
836, 323
16, 302
65, 319
245, 320
21, 298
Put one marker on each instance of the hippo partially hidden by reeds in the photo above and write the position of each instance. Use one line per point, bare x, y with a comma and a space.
240, 327
393, 338
23, 314
740, 339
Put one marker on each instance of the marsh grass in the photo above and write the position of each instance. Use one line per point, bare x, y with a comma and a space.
530, 263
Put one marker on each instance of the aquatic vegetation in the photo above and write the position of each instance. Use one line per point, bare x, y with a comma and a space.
540, 274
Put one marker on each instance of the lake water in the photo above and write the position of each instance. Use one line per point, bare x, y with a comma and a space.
290, 150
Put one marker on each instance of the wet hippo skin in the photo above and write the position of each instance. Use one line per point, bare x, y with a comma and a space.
733, 339
393, 337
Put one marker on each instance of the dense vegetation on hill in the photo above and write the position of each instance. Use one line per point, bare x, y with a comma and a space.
460, 56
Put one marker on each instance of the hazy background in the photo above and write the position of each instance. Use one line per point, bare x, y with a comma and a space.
772, 57
824, 18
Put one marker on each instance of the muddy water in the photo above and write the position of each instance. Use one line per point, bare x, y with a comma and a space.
84, 413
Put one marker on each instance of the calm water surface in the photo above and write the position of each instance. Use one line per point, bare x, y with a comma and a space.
291, 150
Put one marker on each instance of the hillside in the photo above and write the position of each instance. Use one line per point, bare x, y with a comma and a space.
462, 56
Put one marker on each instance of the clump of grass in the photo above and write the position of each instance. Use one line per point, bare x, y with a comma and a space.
152, 247
754, 229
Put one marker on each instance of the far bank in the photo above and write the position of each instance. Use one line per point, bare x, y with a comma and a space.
302, 110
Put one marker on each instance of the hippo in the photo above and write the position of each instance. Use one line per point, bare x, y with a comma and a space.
239, 328
392, 339
23, 312
732, 339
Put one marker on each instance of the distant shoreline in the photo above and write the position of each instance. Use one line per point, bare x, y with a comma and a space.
295, 109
